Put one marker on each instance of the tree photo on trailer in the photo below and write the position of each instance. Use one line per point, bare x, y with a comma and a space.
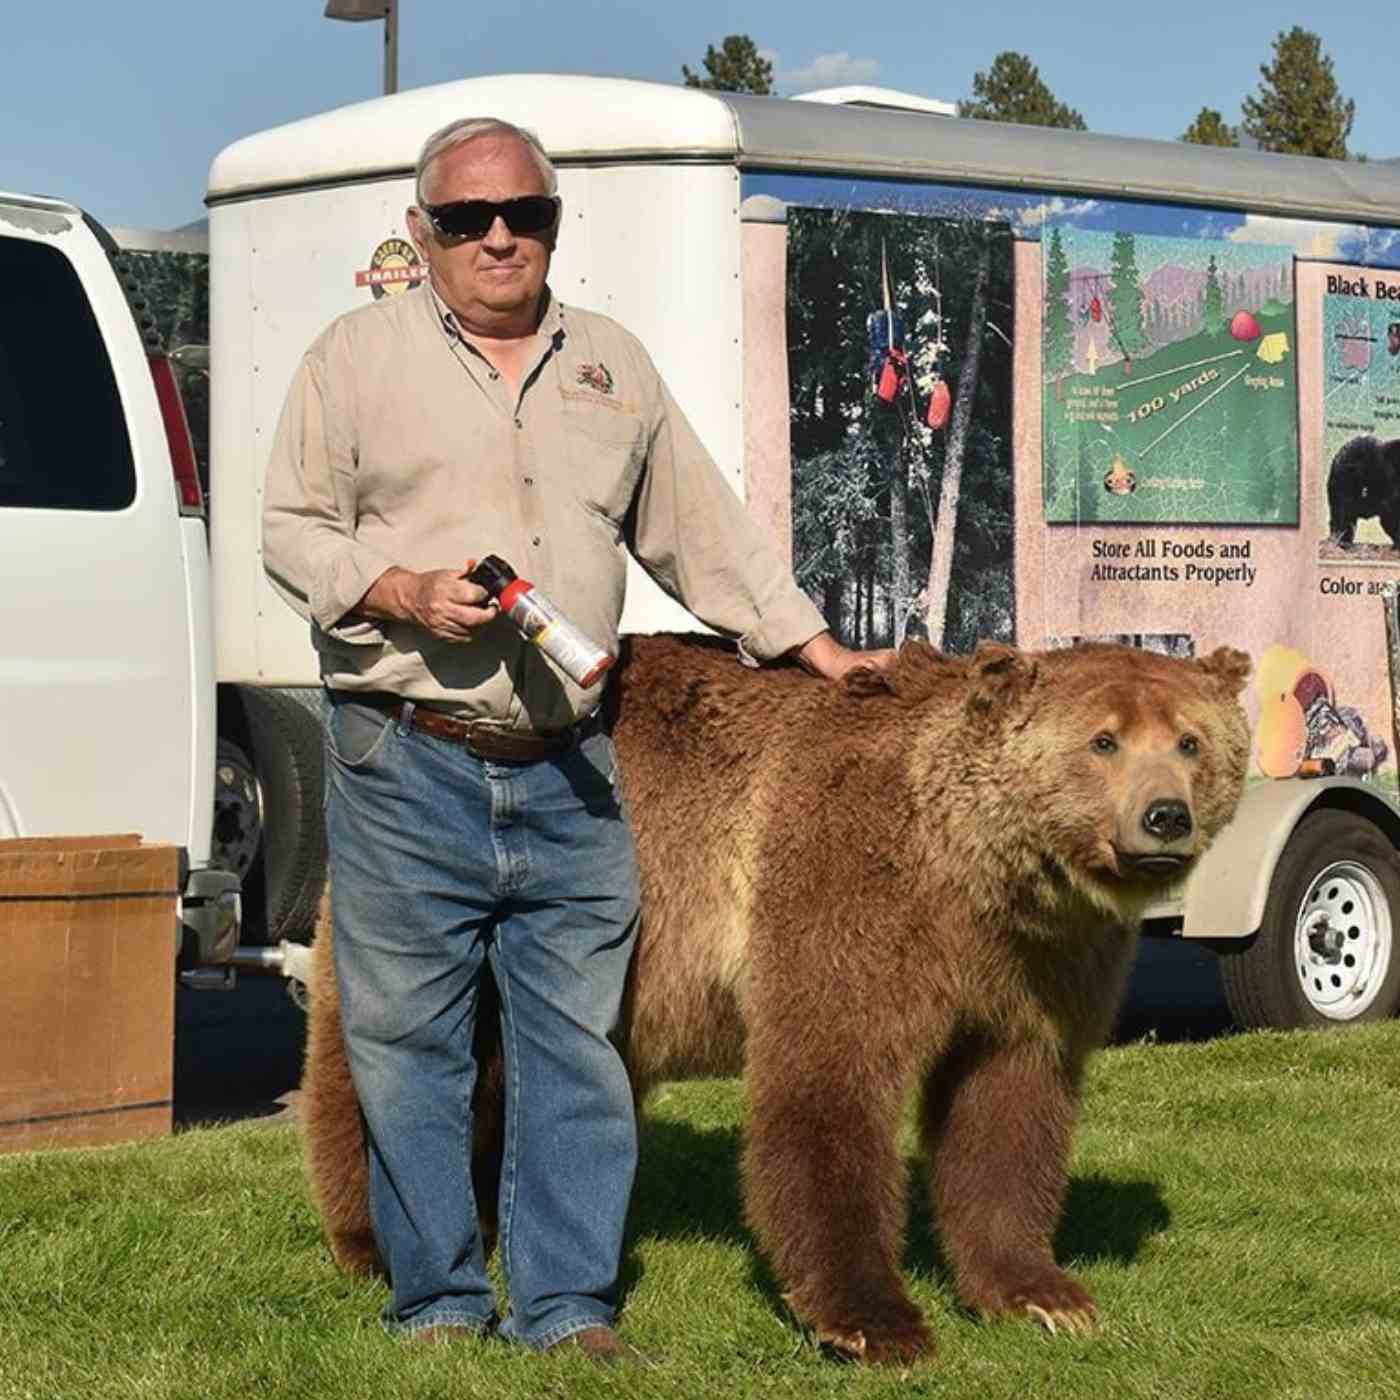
899, 350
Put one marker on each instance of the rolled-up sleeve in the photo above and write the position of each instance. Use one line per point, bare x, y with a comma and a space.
310, 550
694, 536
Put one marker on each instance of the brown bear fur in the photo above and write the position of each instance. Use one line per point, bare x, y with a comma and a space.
921, 883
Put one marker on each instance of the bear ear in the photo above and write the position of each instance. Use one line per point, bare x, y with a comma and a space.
1000, 676
1228, 666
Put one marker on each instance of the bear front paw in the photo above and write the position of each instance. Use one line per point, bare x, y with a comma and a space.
1045, 1294
896, 1335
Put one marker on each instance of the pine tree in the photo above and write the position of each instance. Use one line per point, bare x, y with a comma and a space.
1012, 91
1299, 109
1211, 129
1214, 313
1059, 336
736, 66
1126, 295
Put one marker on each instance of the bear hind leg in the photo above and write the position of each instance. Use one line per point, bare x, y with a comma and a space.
333, 1138
488, 1111
996, 1125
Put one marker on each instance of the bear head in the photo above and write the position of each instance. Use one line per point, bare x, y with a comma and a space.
1117, 766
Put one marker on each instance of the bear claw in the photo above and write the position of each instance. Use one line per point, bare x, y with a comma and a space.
1078, 1322
879, 1347
850, 1344
1047, 1295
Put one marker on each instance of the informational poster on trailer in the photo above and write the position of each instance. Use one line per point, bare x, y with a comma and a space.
1169, 388
1361, 416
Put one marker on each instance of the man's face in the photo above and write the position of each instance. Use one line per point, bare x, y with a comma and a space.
493, 284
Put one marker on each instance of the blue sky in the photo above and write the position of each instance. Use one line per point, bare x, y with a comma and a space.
121, 106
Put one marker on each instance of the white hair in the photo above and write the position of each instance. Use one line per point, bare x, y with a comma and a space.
458, 133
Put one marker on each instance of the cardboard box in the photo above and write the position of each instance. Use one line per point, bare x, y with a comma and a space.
88, 940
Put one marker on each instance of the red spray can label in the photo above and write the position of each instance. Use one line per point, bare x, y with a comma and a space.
540, 621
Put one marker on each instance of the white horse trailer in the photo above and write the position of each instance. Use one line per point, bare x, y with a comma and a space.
977, 379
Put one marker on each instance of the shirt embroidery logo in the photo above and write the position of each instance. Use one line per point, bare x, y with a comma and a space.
597, 377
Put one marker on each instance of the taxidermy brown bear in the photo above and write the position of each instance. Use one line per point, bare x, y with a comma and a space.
922, 883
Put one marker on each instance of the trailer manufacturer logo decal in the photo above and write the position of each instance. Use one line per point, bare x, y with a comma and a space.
394, 267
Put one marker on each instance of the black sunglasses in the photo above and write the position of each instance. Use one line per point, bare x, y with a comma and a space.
472, 218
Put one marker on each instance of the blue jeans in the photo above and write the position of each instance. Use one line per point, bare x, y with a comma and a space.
441, 863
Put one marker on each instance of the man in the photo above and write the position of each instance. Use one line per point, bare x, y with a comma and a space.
472, 805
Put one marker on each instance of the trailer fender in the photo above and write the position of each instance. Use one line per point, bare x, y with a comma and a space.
1226, 893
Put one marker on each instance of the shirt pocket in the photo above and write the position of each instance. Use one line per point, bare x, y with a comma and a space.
606, 445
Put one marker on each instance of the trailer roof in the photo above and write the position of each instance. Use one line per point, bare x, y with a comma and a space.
588, 120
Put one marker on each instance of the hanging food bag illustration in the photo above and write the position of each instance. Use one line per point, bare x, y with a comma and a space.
940, 404
886, 336
892, 374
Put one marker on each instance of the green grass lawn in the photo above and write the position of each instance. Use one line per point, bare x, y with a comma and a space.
1235, 1206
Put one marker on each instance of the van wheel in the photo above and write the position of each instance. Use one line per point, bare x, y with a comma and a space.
1325, 953
237, 812
283, 891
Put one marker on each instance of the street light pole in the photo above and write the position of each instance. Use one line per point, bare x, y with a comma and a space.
391, 46
388, 10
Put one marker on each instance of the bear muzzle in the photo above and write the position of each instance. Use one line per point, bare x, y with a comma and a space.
1167, 823
1168, 819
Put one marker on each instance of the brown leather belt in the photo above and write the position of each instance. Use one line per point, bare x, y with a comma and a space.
481, 738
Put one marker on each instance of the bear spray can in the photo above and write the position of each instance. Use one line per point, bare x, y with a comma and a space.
541, 622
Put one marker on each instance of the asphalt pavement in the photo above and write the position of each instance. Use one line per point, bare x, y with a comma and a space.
238, 1053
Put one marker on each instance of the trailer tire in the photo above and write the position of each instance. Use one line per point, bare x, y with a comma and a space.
1325, 953
283, 893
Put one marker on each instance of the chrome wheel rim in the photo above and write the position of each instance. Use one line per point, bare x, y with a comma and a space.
238, 816
1342, 940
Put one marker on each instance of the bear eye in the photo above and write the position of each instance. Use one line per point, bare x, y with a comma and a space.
1189, 745
1105, 743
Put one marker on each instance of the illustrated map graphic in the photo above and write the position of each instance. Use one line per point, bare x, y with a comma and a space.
1169, 382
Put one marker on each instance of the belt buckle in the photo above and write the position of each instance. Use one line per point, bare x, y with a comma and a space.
487, 741
472, 734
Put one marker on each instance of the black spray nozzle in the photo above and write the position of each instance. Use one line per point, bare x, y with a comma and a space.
493, 574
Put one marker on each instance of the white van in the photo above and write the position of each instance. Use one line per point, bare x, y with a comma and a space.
980, 380
107, 718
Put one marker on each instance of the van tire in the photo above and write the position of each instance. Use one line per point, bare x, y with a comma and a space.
283, 892
237, 837
1326, 952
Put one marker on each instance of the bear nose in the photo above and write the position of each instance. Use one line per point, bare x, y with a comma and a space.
1167, 819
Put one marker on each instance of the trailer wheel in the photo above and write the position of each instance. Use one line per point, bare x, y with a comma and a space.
283, 891
1325, 953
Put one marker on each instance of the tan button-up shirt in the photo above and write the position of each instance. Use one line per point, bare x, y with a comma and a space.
401, 445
